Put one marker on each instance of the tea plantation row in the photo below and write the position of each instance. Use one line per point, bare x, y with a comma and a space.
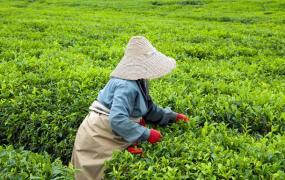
211, 152
21, 164
56, 55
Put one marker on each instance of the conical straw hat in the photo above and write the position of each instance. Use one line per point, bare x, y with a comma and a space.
142, 61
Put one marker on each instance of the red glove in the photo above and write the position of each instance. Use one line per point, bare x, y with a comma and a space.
142, 122
182, 117
135, 150
154, 136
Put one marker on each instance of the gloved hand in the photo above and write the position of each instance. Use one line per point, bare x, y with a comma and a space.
135, 150
142, 122
182, 117
154, 136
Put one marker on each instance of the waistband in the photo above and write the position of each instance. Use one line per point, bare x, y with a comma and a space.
99, 108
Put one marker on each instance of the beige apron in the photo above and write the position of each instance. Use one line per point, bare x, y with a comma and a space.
94, 144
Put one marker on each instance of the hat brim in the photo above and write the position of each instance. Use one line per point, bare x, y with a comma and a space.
152, 67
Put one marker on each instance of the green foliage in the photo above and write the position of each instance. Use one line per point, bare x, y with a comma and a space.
21, 164
211, 152
56, 55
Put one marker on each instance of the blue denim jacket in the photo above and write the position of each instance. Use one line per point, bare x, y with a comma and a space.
125, 99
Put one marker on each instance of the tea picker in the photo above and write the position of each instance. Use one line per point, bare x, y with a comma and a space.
114, 121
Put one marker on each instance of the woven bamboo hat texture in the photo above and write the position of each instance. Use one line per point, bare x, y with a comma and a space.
142, 61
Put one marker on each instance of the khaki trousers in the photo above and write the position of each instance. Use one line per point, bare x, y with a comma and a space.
94, 144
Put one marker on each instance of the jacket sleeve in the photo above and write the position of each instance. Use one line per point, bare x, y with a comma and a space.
160, 116
122, 106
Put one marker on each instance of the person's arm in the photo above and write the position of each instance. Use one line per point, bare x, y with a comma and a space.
122, 106
160, 116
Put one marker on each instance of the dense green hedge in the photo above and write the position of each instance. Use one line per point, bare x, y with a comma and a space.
56, 55
44, 114
211, 152
21, 164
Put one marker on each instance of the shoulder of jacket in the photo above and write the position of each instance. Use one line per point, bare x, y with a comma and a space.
130, 84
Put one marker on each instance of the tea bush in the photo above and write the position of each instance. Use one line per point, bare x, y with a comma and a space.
211, 152
56, 55
21, 164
